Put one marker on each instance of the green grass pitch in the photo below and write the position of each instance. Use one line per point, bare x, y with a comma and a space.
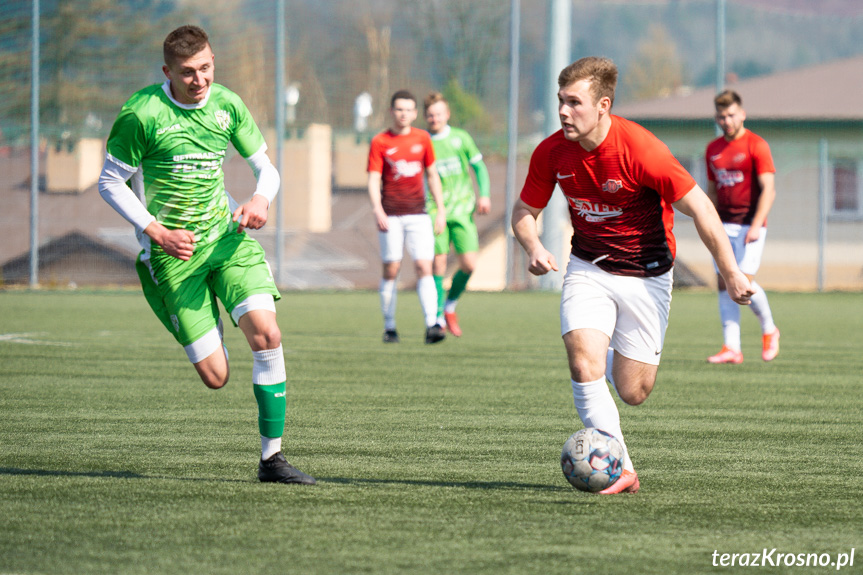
114, 458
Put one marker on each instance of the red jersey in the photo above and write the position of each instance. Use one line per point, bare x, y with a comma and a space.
402, 161
735, 166
619, 196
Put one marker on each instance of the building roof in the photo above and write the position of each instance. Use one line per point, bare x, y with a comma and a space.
826, 92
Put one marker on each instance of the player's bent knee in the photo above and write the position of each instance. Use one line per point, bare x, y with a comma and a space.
260, 329
468, 264
635, 394
215, 382
585, 371
270, 338
423, 268
214, 370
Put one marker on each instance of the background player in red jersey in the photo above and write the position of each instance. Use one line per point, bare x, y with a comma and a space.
399, 157
620, 183
740, 181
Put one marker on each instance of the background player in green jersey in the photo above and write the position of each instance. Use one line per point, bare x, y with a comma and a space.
456, 154
169, 142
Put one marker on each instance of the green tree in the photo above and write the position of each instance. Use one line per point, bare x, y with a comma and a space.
466, 109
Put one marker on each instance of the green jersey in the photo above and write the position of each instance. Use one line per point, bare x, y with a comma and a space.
178, 151
455, 152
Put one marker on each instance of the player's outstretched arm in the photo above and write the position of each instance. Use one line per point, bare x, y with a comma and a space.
525, 229
698, 206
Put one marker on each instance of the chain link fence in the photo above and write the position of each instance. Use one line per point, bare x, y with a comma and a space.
344, 59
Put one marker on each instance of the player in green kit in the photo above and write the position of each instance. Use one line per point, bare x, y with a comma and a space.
456, 155
169, 143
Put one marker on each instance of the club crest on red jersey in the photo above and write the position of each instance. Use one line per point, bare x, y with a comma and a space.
612, 186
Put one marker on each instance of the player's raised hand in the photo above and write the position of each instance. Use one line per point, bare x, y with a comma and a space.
541, 262
252, 214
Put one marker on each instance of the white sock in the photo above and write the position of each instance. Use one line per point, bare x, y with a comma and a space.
729, 314
609, 364
596, 408
270, 446
449, 305
268, 366
427, 293
761, 309
388, 294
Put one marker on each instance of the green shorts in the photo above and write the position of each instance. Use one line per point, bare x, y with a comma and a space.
461, 232
183, 294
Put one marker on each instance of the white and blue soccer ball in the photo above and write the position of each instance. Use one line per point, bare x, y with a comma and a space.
592, 459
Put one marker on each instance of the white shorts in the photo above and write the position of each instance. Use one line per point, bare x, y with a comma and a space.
631, 311
413, 231
748, 256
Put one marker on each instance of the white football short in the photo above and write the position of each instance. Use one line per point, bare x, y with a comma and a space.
748, 256
631, 311
414, 232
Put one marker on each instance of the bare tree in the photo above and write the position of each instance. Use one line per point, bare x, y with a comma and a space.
378, 40
657, 70
462, 40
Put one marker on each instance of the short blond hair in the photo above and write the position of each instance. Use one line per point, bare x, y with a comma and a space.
432, 99
727, 98
600, 72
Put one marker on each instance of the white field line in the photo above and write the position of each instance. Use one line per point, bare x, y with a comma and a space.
26, 338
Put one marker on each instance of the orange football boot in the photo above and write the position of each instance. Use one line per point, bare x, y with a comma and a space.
452, 323
727, 355
770, 345
627, 483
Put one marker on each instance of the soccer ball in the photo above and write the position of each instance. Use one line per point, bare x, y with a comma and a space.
592, 459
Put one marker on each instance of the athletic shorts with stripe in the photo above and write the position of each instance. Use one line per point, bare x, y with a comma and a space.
183, 294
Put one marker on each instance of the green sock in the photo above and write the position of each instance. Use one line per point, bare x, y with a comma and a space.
441, 295
459, 283
271, 409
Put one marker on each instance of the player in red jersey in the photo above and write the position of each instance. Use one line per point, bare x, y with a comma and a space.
399, 157
740, 181
620, 182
